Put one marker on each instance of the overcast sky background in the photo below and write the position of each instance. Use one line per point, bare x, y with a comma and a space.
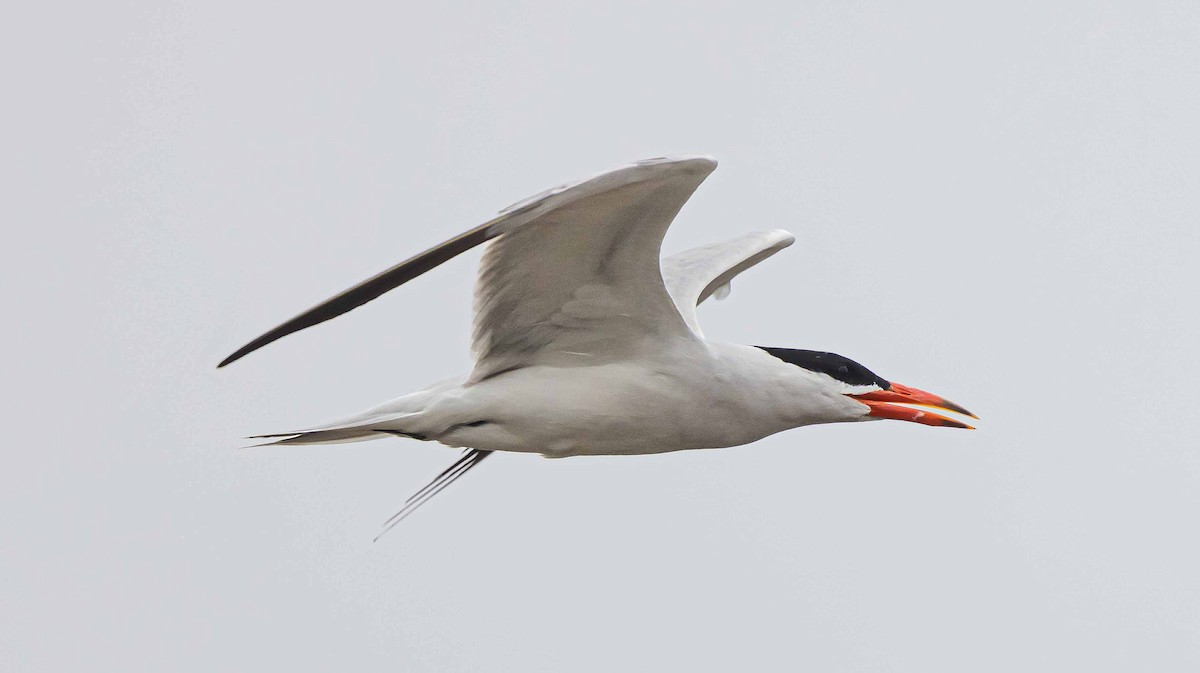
997, 204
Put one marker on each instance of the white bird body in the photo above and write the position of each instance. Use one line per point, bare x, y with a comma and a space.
692, 396
587, 344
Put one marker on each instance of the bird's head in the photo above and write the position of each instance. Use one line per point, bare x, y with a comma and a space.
882, 398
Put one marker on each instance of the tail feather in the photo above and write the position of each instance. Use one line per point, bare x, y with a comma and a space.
315, 438
391, 416
340, 432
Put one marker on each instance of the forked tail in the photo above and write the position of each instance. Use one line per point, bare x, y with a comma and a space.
375, 425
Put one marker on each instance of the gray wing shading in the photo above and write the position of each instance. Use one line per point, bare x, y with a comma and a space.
581, 284
594, 230
694, 275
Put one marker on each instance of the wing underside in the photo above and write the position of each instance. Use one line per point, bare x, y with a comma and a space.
582, 285
694, 275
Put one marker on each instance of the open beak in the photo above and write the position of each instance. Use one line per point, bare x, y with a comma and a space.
887, 404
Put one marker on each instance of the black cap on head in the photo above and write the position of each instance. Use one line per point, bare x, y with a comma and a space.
841, 368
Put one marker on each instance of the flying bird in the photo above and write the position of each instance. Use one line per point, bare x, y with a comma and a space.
586, 343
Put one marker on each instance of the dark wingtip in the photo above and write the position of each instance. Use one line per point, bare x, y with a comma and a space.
370, 288
237, 355
296, 324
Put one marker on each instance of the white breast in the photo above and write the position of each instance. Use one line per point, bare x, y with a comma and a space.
714, 395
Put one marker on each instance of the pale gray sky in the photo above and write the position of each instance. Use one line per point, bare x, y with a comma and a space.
997, 204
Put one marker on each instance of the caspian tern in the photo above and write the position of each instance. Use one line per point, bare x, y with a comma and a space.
587, 344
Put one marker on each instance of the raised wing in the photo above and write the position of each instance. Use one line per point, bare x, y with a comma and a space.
580, 284
694, 275
581, 237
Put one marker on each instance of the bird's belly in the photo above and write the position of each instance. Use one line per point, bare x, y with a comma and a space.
611, 410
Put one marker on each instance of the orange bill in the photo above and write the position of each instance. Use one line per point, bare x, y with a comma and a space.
888, 404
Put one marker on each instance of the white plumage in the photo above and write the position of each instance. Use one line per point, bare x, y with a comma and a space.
586, 344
